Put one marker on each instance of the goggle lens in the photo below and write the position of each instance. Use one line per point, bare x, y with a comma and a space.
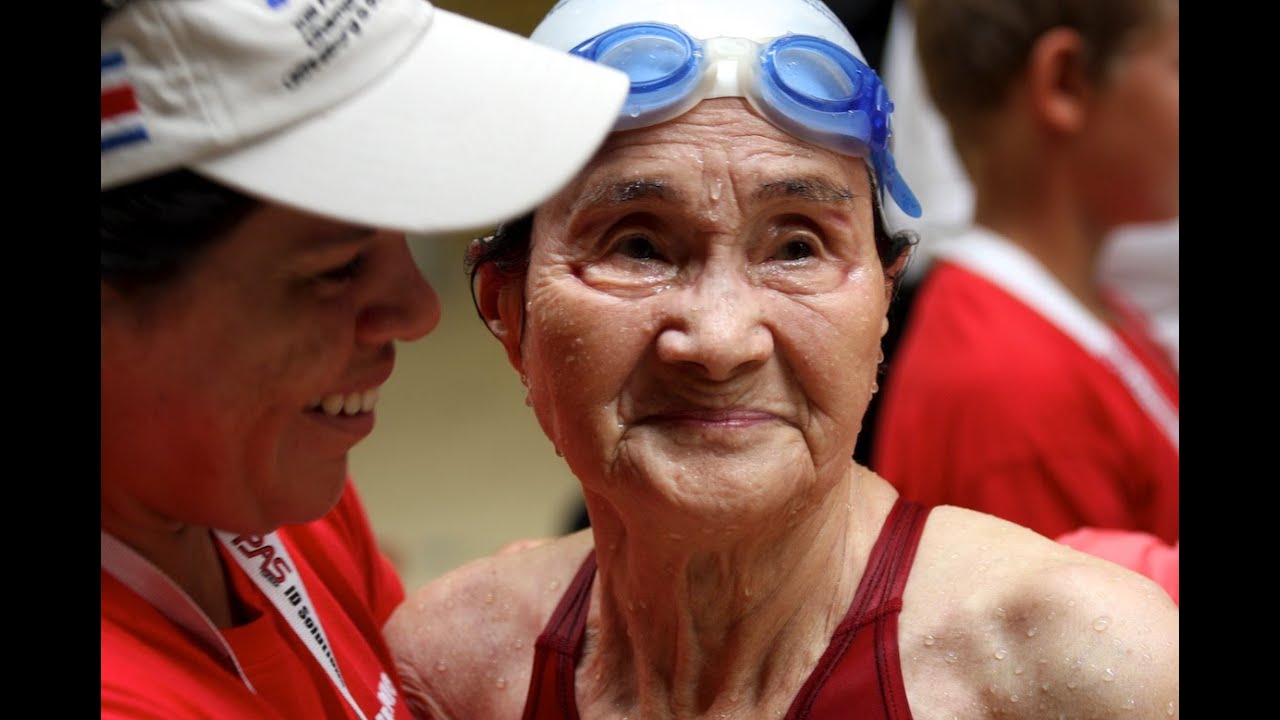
646, 60
663, 63
812, 74
653, 56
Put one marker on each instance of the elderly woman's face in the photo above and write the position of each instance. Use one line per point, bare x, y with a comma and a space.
704, 307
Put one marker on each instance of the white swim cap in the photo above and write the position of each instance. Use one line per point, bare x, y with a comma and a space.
572, 21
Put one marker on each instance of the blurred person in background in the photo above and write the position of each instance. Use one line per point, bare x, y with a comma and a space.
1052, 392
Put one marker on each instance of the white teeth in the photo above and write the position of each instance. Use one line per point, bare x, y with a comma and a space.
332, 404
349, 404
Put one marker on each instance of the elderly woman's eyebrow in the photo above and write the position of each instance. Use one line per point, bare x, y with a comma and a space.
816, 189
624, 191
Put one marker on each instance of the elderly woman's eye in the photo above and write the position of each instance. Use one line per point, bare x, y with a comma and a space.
638, 247
794, 250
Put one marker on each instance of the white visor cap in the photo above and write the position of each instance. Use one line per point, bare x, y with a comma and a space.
572, 21
387, 113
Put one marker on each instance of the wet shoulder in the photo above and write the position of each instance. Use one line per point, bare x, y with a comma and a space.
1001, 621
464, 642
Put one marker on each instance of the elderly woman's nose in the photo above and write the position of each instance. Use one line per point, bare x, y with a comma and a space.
717, 323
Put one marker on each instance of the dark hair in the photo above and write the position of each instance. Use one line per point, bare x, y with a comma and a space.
508, 248
152, 230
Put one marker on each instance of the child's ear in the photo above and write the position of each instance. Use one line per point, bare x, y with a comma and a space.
1058, 79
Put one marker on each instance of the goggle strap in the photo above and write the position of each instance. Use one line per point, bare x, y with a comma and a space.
893, 183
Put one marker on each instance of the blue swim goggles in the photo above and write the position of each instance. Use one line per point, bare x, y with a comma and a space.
808, 86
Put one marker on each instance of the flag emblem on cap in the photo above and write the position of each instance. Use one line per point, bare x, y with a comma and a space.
121, 119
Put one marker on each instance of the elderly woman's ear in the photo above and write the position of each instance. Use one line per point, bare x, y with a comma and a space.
500, 299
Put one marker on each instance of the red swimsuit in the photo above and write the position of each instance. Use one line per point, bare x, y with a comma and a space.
859, 673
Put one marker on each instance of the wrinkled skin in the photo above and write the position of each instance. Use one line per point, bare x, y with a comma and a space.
712, 288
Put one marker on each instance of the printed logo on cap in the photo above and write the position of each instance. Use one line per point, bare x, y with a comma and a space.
121, 118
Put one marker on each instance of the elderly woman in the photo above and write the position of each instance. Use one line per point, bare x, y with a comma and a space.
697, 318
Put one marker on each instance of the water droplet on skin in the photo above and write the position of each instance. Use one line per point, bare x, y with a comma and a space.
488, 598
501, 683
1109, 675
441, 667
952, 656
1013, 698
1000, 611
1130, 704
1170, 709
1101, 623
519, 644
555, 584
1001, 653
929, 640
1031, 632
1072, 684
1017, 670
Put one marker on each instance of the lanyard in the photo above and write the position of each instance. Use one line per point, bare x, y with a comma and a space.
267, 563
266, 560
1021, 275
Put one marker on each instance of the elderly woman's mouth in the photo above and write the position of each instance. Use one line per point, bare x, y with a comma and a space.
724, 418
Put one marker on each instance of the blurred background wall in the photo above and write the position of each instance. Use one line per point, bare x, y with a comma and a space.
457, 465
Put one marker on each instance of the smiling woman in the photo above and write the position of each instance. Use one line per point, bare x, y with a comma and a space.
697, 319
256, 280
247, 312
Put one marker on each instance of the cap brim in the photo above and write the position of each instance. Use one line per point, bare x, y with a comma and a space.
474, 126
